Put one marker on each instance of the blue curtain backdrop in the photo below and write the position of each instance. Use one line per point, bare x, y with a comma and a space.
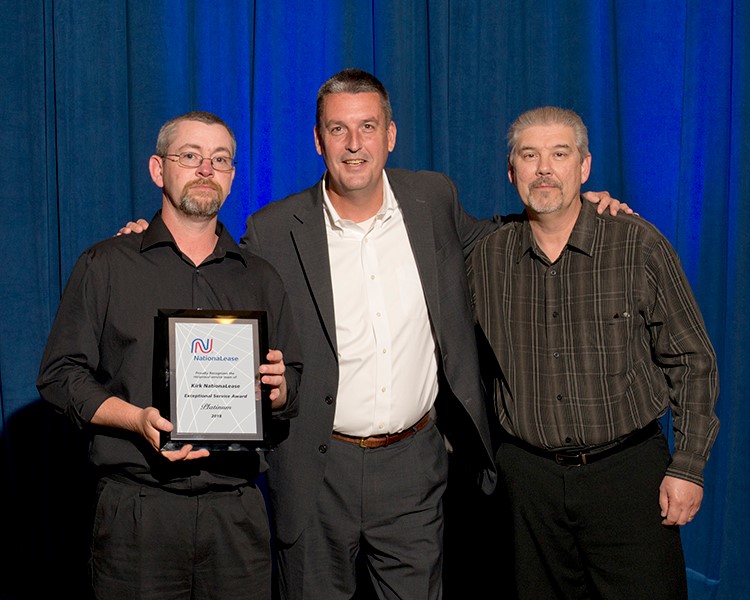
85, 84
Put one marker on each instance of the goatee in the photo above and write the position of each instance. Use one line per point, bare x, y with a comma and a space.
199, 204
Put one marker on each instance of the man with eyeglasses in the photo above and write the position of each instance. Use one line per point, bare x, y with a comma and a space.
185, 523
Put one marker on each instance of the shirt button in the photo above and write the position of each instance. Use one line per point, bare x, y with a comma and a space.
322, 448
553, 272
568, 440
556, 354
559, 397
555, 314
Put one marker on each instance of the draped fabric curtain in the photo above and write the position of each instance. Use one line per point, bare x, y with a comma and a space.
85, 85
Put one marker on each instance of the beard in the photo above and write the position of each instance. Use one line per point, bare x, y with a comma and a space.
201, 203
545, 202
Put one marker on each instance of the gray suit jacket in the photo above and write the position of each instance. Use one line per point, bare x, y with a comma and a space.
291, 235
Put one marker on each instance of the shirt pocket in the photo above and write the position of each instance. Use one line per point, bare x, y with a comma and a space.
616, 333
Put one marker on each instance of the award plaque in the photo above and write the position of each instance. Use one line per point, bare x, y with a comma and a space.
206, 378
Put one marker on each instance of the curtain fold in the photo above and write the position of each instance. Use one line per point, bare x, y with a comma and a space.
663, 88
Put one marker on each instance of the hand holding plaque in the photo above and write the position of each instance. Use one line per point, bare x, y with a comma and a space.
206, 378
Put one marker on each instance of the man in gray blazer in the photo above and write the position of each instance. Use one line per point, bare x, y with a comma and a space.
373, 262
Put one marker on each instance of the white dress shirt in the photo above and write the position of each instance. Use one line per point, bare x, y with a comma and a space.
386, 350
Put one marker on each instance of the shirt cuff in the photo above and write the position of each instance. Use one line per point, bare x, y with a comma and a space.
688, 466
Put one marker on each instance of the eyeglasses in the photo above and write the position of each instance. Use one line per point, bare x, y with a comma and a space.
192, 160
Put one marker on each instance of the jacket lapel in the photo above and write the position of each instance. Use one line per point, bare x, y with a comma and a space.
421, 232
309, 239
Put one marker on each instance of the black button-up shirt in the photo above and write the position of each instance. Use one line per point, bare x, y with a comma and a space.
102, 341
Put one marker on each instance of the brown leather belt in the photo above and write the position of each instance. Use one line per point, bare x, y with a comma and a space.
378, 441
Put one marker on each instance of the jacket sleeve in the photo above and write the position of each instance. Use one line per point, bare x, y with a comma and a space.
470, 229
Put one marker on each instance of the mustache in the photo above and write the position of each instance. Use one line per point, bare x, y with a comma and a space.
544, 181
201, 181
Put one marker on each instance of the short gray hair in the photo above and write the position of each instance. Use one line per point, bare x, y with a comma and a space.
167, 131
353, 81
549, 115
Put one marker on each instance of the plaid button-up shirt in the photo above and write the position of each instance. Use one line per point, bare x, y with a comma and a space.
599, 343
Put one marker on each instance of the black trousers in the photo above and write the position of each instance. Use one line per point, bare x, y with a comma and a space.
151, 543
591, 531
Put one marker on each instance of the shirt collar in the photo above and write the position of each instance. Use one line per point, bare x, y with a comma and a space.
158, 234
386, 208
581, 238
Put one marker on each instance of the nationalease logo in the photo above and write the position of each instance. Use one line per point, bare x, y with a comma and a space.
203, 351
203, 346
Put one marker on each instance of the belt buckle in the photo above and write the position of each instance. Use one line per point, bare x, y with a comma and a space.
575, 460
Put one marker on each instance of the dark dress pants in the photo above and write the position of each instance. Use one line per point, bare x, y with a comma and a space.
592, 531
152, 544
382, 507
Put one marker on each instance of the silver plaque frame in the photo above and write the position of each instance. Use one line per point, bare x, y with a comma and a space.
207, 381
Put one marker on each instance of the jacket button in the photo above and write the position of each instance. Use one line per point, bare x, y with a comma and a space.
323, 448
329, 400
